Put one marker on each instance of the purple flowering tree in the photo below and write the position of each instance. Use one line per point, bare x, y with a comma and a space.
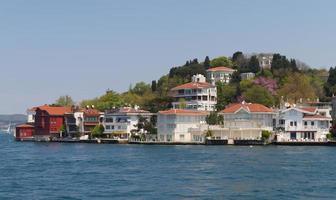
268, 83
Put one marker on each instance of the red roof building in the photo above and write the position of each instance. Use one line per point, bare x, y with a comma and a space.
219, 74
248, 115
49, 119
248, 107
196, 95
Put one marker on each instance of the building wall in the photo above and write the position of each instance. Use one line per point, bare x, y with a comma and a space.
218, 76
23, 132
243, 119
177, 128
296, 127
196, 99
42, 123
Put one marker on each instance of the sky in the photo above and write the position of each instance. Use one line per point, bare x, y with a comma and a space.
82, 48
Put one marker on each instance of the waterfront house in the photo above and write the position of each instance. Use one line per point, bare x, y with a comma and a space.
242, 121
120, 123
219, 74
175, 125
87, 118
196, 95
24, 131
49, 120
248, 115
302, 124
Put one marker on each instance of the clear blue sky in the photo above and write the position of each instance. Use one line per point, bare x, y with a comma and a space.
50, 48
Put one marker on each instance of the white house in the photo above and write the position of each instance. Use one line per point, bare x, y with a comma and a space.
219, 74
265, 60
176, 125
196, 95
87, 119
244, 121
120, 122
248, 115
303, 124
247, 75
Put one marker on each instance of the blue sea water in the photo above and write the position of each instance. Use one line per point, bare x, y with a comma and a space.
109, 171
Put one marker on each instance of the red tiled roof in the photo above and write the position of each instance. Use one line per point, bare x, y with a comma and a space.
183, 112
91, 112
221, 69
193, 85
250, 107
25, 126
54, 110
308, 109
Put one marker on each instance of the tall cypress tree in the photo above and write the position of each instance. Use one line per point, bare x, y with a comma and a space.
154, 86
207, 62
253, 64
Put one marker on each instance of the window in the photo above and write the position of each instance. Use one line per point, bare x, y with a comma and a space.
305, 123
182, 137
312, 123
295, 123
109, 119
291, 123
108, 127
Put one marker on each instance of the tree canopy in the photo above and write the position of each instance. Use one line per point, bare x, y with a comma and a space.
65, 100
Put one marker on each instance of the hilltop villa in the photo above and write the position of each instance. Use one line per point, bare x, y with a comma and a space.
219, 74
196, 95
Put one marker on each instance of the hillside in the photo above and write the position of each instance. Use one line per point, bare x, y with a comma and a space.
283, 80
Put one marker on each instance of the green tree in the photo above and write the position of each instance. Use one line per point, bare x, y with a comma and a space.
253, 64
154, 86
221, 61
214, 119
297, 86
141, 88
105, 102
65, 100
258, 94
98, 131
265, 135
329, 86
226, 94
206, 63
182, 103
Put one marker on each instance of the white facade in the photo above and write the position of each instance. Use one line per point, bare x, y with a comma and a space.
303, 124
248, 115
196, 95
31, 116
265, 60
247, 75
177, 125
122, 122
219, 74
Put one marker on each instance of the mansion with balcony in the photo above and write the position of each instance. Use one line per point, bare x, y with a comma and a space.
120, 123
303, 124
196, 95
219, 74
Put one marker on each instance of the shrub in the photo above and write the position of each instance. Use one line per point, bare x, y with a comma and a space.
265, 134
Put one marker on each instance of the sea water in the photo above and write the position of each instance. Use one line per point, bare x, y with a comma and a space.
109, 171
